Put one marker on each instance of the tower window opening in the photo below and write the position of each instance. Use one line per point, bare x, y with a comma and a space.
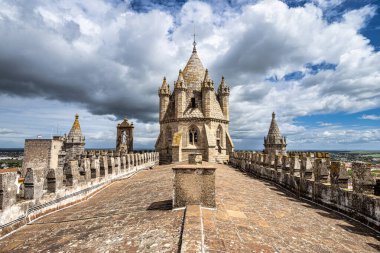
193, 136
193, 102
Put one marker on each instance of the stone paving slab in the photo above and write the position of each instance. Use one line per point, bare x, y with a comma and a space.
129, 216
256, 216
134, 215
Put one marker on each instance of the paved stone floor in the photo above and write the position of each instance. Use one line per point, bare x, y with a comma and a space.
134, 215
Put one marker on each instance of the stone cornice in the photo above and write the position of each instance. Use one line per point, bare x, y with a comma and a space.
194, 119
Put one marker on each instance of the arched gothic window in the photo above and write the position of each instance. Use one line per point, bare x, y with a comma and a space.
193, 136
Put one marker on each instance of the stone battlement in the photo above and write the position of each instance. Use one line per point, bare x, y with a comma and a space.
315, 177
45, 189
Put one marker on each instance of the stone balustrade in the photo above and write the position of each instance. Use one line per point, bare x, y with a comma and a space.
315, 177
50, 187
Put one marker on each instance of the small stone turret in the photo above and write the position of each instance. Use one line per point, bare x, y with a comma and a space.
74, 142
164, 94
223, 95
207, 93
274, 143
180, 96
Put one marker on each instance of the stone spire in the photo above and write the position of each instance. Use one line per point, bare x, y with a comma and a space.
74, 142
165, 90
180, 81
274, 143
274, 131
75, 133
194, 71
207, 82
223, 87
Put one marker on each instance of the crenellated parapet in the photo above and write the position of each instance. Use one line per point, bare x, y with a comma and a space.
313, 176
46, 189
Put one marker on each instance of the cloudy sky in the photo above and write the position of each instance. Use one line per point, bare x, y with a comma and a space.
315, 63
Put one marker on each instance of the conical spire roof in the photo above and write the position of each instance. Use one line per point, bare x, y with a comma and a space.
180, 81
164, 84
165, 90
273, 129
194, 71
75, 134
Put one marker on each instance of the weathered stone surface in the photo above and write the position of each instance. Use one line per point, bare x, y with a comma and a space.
135, 215
338, 174
8, 189
34, 183
195, 158
320, 170
295, 166
194, 185
306, 170
362, 180
71, 171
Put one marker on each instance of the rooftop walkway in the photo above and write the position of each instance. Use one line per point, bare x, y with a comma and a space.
134, 215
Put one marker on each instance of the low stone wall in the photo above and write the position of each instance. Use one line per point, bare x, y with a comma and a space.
314, 177
45, 190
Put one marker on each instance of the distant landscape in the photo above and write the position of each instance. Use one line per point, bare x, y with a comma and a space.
10, 158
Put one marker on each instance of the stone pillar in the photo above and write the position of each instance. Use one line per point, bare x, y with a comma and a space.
95, 167
338, 175
117, 165
8, 189
320, 170
52, 181
111, 165
103, 168
285, 163
71, 172
362, 180
306, 168
86, 169
123, 163
278, 162
194, 185
34, 183
295, 166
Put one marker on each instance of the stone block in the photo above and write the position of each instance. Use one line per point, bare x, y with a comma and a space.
306, 167
285, 163
8, 189
362, 180
320, 170
111, 165
71, 171
34, 183
103, 169
295, 166
338, 174
95, 167
195, 158
194, 185
53, 183
85, 169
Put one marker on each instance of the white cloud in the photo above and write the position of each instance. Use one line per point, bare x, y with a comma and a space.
370, 117
106, 59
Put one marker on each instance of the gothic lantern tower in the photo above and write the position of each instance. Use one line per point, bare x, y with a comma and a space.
274, 143
74, 142
194, 117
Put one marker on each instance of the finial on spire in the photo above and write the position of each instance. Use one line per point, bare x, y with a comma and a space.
273, 115
194, 43
76, 116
